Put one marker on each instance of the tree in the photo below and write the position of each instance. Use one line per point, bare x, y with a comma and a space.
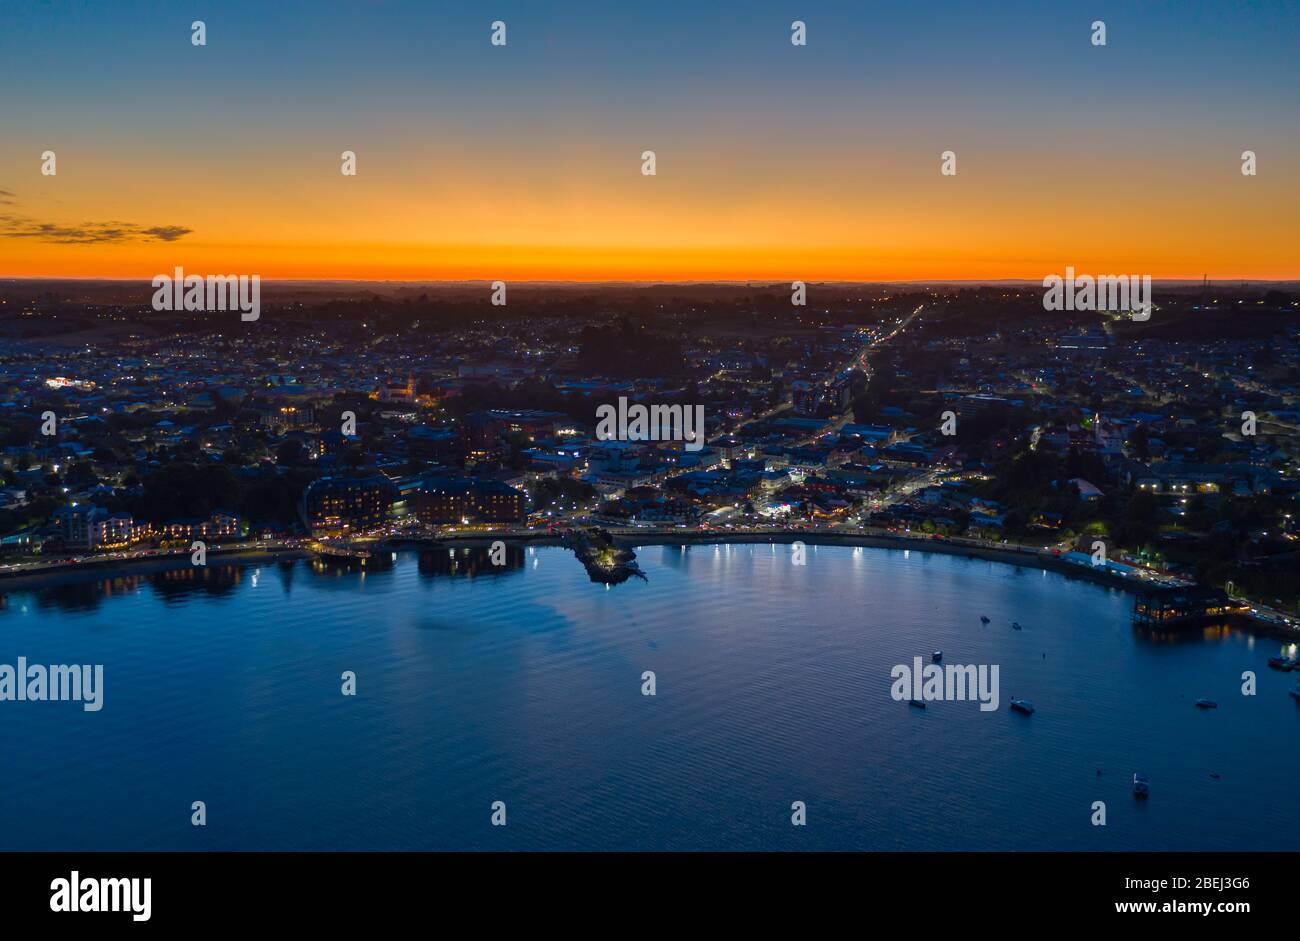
1140, 443
290, 453
81, 475
180, 490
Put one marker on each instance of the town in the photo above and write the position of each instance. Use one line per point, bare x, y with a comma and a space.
1163, 449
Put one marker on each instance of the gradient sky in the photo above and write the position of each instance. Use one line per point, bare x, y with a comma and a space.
523, 162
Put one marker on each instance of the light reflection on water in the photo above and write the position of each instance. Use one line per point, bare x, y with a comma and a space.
523, 684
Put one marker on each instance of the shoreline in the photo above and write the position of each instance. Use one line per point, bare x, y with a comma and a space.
56, 576
623, 538
1014, 555
1008, 555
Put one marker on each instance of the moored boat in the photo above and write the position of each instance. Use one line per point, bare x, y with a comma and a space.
1141, 785
1023, 705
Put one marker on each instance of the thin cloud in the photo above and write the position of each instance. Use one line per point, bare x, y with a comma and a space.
168, 233
87, 233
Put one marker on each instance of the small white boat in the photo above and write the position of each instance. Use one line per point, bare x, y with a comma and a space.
1141, 786
937, 656
1023, 705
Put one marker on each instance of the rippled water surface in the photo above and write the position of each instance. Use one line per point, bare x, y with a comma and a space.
524, 686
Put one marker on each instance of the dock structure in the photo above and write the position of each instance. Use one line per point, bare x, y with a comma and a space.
339, 550
1185, 605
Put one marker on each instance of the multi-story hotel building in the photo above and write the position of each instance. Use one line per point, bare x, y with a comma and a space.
93, 527
347, 504
463, 500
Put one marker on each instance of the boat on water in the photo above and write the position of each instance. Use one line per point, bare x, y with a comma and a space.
1207, 704
1295, 694
1141, 785
1015, 625
1023, 705
917, 703
937, 656
984, 619
1285, 664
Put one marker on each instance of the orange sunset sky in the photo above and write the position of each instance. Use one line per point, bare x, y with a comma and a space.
774, 162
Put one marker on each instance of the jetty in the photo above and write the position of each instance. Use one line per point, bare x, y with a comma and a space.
339, 550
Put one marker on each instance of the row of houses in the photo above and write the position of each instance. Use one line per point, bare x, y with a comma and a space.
88, 527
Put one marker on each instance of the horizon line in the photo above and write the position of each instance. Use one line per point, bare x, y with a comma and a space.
611, 282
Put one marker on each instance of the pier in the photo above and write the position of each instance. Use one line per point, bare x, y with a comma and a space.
339, 550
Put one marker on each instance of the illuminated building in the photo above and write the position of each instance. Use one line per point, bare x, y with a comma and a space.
93, 527
462, 500
343, 504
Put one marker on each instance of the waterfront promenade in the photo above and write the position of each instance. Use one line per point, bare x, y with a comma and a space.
36, 574
628, 537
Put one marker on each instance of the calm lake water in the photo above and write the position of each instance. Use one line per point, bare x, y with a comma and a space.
524, 686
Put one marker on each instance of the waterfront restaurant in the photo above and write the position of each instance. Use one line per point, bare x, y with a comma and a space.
1179, 605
